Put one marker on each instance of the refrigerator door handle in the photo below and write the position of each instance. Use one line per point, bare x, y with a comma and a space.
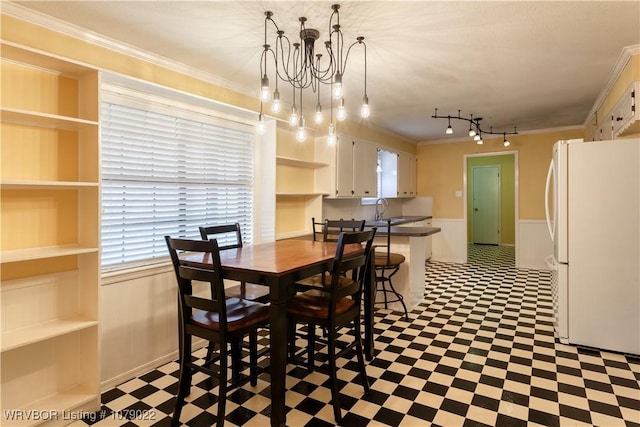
551, 263
550, 173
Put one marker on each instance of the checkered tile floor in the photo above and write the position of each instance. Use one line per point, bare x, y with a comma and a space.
479, 351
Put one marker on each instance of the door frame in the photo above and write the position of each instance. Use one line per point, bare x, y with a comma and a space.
516, 196
498, 213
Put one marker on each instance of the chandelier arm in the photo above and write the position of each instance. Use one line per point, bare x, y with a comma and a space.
325, 75
346, 58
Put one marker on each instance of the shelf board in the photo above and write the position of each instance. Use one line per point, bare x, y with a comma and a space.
80, 398
24, 184
42, 331
294, 194
33, 118
290, 161
44, 60
27, 254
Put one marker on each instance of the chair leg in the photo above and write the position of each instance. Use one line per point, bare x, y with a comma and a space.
400, 297
222, 390
184, 382
291, 337
311, 347
335, 397
210, 349
253, 357
360, 355
383, 280
236, 358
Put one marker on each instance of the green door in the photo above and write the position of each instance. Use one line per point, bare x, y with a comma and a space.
486, 204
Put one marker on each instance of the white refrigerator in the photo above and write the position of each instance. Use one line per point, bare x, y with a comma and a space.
593, 216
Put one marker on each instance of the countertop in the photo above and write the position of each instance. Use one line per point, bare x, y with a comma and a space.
382, 229
395, 220
407, 231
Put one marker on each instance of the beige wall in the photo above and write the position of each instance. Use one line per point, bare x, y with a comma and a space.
441, 169
24, 33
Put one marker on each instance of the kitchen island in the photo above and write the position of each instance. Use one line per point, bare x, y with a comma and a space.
410, 241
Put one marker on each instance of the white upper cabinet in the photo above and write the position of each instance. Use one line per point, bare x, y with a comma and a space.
388, 173
406, 175
344, 167
355, 168
365, 157
625, 115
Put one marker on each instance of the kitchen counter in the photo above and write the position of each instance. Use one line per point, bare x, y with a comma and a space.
412, 242
406, 231
396, 220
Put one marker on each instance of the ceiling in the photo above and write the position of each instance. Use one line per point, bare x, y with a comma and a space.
530, 64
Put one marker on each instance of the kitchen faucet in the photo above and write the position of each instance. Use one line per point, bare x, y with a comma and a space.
381, 202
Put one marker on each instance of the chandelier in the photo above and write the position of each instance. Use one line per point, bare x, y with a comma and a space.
296, 63
475, 131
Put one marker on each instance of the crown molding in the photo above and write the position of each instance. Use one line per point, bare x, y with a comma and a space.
54, 24
623, 60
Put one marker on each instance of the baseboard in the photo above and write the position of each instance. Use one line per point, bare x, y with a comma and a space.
143, 369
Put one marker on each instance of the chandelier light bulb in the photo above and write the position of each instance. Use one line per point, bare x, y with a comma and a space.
293, 118
476, 138
261, 124
264, 89
275, 105
472, 132
318, 116
479, 141
506, 143
341, 114
301, 134
332, 138
337, 86
365, 111
449, 130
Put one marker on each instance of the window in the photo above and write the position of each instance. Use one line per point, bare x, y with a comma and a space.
166, 170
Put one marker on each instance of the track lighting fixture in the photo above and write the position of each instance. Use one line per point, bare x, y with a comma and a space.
475, 130
295, 62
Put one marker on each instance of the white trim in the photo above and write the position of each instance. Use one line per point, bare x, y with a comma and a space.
516, 195
621, 63
143, 369
533, 245
117, 276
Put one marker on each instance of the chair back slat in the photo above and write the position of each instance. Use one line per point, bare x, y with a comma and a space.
318, 229
387, 247
186, 273
352, 266
230, 234
333, 228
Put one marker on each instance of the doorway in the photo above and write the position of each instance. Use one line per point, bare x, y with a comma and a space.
485, 200
506, 213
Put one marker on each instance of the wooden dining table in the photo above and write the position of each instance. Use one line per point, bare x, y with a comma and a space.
279, 265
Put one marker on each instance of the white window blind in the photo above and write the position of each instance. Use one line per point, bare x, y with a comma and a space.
168, 174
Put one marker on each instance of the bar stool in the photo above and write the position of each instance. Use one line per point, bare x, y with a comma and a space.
386, 265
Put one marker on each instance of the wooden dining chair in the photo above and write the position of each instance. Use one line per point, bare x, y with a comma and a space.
225, 321
334, 307
231, 232
387, 264
331, 229
317, 228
